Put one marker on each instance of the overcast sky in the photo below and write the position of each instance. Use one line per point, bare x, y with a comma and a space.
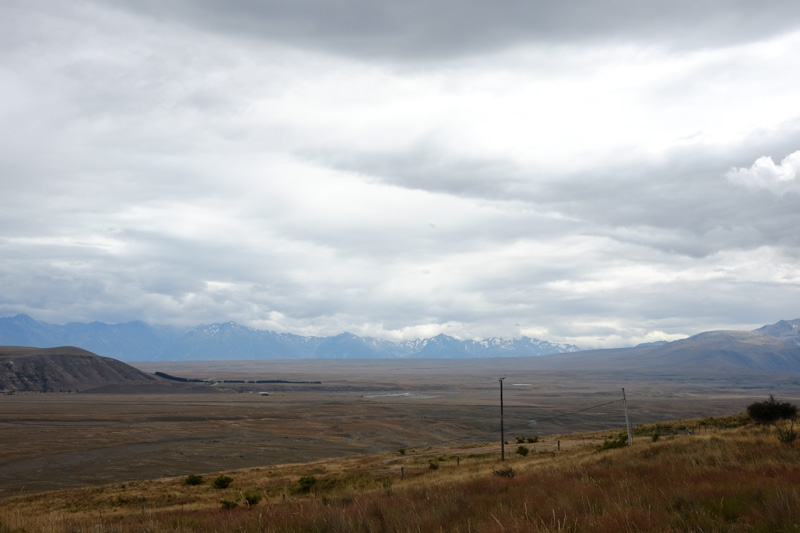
599, 173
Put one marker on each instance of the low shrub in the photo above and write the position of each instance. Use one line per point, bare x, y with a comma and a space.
620, 441
522, 450
506, 471
251, 497
228, 504
306, 483
193, 479
222, 482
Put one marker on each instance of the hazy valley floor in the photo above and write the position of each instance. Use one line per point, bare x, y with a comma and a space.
56, 441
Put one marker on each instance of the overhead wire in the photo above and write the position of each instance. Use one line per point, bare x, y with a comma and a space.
492, 432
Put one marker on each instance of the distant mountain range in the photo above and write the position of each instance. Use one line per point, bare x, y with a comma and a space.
744, 355
138, 341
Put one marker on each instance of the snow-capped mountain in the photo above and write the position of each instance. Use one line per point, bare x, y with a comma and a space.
137, 341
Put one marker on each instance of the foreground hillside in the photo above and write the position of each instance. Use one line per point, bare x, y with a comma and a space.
726, 476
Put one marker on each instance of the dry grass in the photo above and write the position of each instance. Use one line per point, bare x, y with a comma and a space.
721, 478
66, 441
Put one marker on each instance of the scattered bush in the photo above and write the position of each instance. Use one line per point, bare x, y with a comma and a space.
228, 504
620, 441
252, 497
433, 465
506, 471
401, 451
771, 410
193, 479
533, 440
656, 435
222, 482
523, 450
306, 483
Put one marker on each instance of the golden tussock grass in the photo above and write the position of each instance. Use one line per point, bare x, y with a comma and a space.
724, 479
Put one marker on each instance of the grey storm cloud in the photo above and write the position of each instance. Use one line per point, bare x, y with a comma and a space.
600, 173
419, 29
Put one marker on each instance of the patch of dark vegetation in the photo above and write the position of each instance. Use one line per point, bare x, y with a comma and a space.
193, 479
771, 410
610, 443
306, 483
505, 471
781, 415
251, 497
222, 482
180, 379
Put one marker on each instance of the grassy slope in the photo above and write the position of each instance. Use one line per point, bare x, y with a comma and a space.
725, 478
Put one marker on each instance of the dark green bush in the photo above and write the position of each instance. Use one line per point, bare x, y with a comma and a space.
228, 504
193, 479
222, 482
771, 410
252, 497
523, 450
619, 441
306, 483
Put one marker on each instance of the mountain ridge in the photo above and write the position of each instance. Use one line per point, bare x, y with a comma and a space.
702, 355
139, 341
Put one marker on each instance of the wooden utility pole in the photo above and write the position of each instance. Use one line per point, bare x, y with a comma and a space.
627, 420
502, 431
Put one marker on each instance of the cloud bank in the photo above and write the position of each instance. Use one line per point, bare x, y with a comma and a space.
574, 173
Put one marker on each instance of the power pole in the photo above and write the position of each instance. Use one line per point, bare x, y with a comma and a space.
627, 420
502, 431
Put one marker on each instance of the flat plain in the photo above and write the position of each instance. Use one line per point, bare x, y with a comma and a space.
316, 409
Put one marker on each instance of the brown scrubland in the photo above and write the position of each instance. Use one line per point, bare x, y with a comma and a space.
401, 446
726, 475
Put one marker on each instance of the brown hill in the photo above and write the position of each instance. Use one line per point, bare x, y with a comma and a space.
733, 349
709, 353
66, 368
